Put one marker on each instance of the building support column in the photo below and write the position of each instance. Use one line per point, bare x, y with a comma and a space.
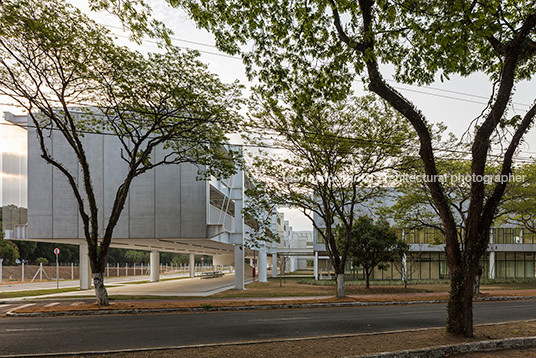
262, 265
85, 268
274, 264
315, 265
492, 265
239, 267
192, 265
155, 266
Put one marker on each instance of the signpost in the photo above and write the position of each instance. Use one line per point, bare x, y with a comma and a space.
57, 252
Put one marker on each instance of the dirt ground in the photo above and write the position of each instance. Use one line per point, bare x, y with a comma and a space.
350, 345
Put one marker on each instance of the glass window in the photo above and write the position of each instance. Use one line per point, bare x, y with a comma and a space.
529, 269
528, 237
493, 235
518, 236
500, 269
520, 269
508, 236
499, 239
510, 269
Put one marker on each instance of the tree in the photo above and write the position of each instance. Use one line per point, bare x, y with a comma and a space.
414, 207
324, 158
520, 199
331, 41
373, 245
406, 264
9, 252
55, 62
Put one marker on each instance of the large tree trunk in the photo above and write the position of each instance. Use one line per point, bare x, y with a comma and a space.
460, 305
100, 290
340, 284
367, 279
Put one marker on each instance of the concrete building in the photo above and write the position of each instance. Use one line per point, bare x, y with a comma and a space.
168, 208
511, 254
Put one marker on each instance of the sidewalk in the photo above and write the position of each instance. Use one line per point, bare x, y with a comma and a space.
45, 285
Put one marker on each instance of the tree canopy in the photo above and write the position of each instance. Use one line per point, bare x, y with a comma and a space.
325, 159
331, 42
66, 71
373, 244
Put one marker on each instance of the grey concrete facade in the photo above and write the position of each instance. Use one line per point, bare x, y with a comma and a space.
168, 208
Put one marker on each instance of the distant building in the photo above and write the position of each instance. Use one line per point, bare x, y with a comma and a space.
511, 254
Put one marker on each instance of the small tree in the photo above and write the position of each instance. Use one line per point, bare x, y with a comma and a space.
406, 264
373, 245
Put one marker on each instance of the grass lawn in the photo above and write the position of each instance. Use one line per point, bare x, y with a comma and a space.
295, 286
292, 287
36, 292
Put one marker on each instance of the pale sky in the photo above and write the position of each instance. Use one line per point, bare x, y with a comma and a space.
441, 102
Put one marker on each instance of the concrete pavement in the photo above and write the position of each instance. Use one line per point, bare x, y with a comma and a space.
46, 285
180, 286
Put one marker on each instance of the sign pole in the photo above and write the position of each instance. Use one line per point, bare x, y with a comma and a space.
57, 273
57, 253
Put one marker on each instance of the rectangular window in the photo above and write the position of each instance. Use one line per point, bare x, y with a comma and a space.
510, 269
518, 236
528, 237
508, 236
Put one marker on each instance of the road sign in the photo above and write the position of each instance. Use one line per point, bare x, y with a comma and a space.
56, 251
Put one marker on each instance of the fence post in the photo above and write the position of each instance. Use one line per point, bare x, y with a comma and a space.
107, 269
22, 270
118, 269
40, 271
1, 270
72, 270
126, 269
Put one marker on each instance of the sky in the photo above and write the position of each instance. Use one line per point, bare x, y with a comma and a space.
455, 103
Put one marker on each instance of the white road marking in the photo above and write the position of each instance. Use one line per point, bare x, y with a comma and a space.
52, 304
21, 306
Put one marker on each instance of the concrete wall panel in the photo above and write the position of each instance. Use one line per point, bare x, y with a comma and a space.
115, 171
39, 190
193, 203
168, 199
64, 204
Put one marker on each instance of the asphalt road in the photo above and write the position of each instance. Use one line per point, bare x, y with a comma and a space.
20, 336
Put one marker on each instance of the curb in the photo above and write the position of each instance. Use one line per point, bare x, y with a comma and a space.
209, 308
442, 351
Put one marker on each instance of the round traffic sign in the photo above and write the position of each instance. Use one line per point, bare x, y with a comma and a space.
56, 251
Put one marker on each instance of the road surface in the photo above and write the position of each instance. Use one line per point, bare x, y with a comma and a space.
98, 333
